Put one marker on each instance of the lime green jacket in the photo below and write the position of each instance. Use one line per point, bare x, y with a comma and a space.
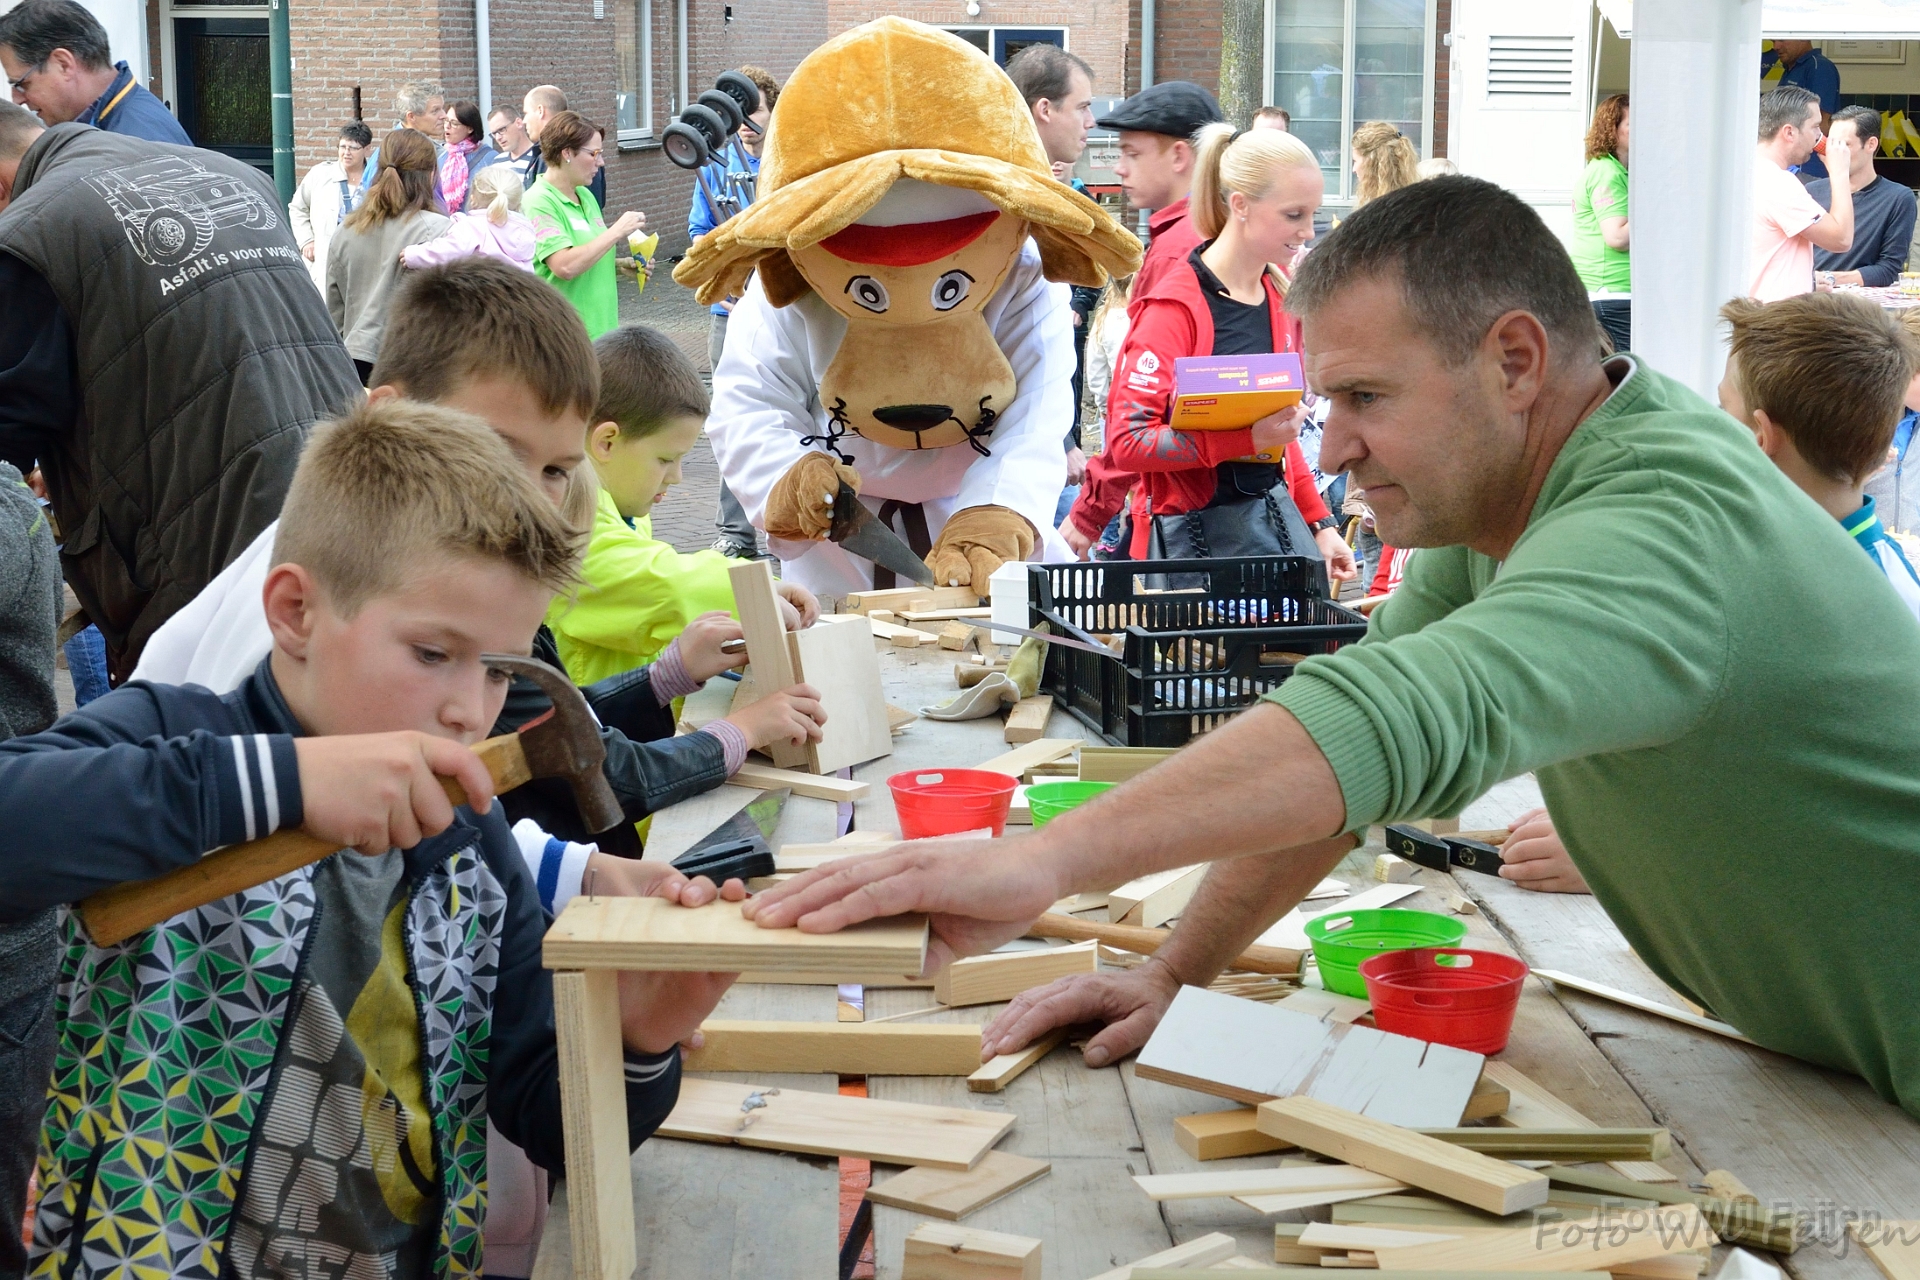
637, 594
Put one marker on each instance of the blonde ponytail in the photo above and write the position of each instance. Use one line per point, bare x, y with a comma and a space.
1245, 161
498, 187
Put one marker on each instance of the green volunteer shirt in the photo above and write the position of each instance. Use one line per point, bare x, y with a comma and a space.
567, 222
1602, 194
1721, 698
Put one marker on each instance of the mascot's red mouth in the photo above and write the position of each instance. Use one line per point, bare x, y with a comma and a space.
910, 244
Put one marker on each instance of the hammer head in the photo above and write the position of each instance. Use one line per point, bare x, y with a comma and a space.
565, 742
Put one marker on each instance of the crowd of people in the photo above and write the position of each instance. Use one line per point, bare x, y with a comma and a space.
304, 478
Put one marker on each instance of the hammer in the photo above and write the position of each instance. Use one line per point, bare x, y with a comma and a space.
563, 742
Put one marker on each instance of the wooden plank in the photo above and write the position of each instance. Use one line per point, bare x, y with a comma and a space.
1467, 1176
767, 650
1894, 1246
1330, 1006
1027, 719
835, 1125
954, 1193
1192, 1255
837, 658
593, 1109
1251, 1052
1220, 1135
946, 615
1575, 1144
1284, 1180
1144, 942
1153, 900
1118, 764
939, 1252
769, 778
1016, 762
842, 1048
999, 1072
652, 933
1741, 1222
1534, 1107
1301, 1200
831, 978
1551, 1246
992, 978
901, 598
1322, 1235
1641, 1003
901, 637
957, 636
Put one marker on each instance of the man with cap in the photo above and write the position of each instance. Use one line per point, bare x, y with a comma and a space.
1156, 128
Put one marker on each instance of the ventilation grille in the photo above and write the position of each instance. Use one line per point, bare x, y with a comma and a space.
1529, 67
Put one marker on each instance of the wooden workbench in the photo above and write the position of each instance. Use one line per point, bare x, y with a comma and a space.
1793, 1132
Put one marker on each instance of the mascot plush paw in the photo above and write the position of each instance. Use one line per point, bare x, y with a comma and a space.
975, 542
800, 507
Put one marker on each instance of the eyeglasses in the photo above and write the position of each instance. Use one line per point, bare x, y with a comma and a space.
19, 86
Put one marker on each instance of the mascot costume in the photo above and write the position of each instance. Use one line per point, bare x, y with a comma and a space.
900, 333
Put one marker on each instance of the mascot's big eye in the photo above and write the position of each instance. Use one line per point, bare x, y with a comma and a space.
950, 290
869, 293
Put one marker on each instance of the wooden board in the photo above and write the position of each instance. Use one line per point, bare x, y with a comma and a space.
835, 1125
997, 1073
1291, 1201
939, 1252
899, 599
946, 615
1552, 1246
1027, 719
990, 979
1016, 762
1329, 1006
1894, 1246
1632, 1001
1467, 1176
768, 778
593, 1109
1220, 1135
1287, 1179
1118, 764
652, 933
1534, 1107
1153, 900
1251, 1052
837, 658
767, 650
1575, 1144
899, 636
842, 1048
954, 1193
1322, 1235
1191, 1256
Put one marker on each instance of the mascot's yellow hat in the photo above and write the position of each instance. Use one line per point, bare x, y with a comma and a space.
888, 100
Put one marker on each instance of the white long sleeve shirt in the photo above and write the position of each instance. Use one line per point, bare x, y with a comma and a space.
766, 397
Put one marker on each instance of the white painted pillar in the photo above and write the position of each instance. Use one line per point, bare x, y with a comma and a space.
1695, 106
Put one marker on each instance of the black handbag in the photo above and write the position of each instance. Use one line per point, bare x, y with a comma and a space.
1251, 514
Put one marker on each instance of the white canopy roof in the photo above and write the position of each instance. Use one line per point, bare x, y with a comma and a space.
1812, 19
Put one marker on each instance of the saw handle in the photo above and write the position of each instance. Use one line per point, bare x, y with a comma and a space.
114, 915
1144, 942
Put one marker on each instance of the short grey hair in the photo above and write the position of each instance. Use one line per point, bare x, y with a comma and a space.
414, 96
1784, 106
1465, 252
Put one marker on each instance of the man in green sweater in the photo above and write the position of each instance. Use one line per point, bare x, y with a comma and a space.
1717, 691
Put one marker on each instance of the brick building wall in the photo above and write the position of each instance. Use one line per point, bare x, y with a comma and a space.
1097, 30
377, 45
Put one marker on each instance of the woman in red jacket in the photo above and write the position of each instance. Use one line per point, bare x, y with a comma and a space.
1220, 493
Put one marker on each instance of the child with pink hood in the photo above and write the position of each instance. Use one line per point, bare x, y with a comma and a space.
492, 227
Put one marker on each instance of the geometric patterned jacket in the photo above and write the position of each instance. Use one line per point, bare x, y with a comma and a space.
169, 1043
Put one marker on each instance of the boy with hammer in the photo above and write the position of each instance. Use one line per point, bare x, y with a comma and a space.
300, 1076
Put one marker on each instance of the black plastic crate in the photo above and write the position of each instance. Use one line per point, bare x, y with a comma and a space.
1191, 659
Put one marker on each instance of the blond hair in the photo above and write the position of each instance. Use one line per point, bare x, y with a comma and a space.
1437, 167
1392, 163
394, 484
1246, 162
497, 189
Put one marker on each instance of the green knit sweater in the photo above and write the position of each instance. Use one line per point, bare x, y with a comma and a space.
1722, 700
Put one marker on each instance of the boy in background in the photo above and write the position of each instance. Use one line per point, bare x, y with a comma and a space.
29, 945
1819, 379
347, 1048
638, 592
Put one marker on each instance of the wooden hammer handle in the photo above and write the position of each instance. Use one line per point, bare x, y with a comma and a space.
1145, 942
116, 914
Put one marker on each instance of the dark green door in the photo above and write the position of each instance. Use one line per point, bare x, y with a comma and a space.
225, 95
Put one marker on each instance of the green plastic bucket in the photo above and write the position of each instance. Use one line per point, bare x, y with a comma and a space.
1342, 939
1048, 800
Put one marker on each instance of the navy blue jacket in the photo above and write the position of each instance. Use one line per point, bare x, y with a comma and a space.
134, 112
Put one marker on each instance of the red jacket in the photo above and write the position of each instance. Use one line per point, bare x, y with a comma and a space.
1174, 470
1171, 237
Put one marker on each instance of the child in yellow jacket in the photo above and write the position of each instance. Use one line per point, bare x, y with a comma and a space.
638, 593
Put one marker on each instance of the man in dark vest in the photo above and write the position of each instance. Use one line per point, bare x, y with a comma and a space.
163, 354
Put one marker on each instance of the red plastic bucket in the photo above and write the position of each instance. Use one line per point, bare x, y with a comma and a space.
944, 802
1448, 995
